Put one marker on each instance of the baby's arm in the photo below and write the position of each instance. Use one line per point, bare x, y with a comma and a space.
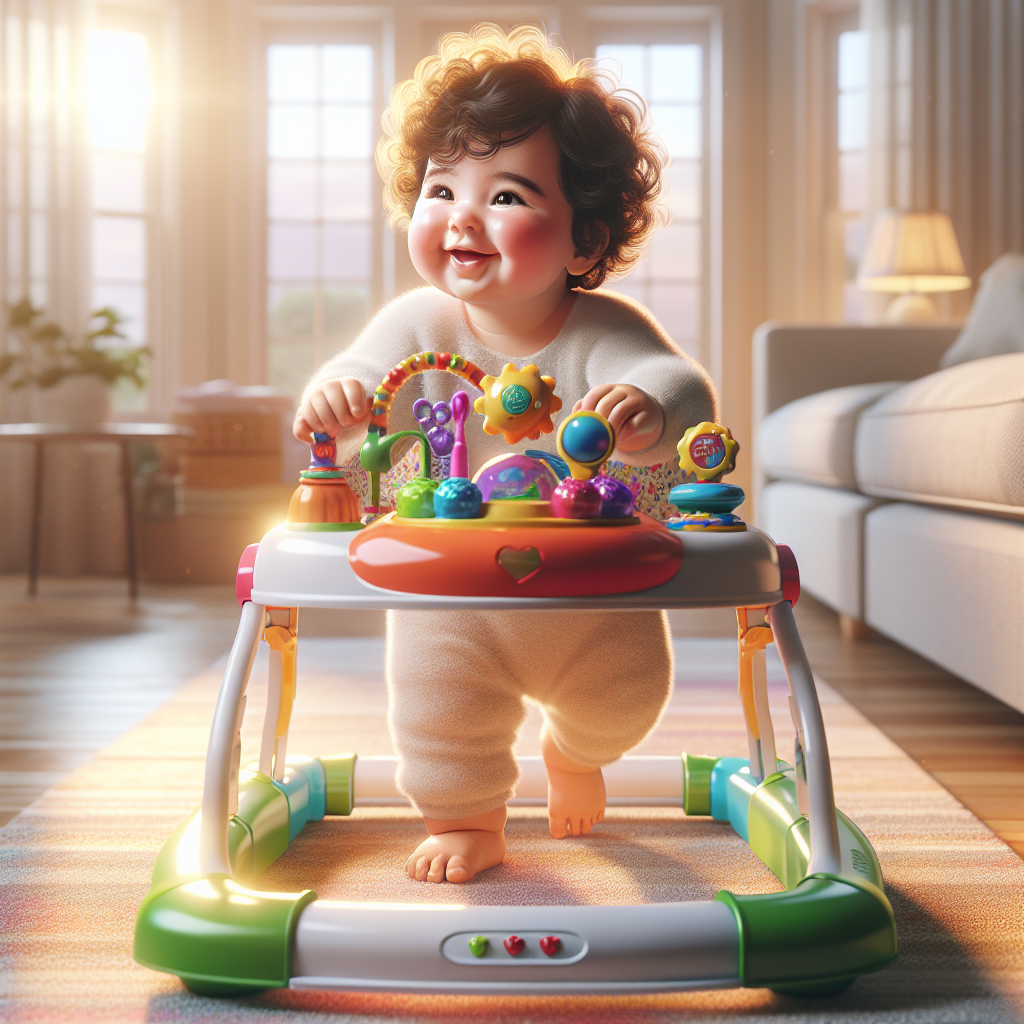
338, 400
636, 371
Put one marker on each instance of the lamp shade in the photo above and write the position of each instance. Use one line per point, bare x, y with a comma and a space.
912, 252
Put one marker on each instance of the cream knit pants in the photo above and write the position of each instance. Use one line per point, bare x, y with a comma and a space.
457, 682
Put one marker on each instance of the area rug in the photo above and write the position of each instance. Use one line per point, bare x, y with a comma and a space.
75, 866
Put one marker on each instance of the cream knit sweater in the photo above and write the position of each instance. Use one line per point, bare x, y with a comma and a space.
607, 339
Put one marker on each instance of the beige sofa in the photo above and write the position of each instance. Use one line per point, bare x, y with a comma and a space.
892, 461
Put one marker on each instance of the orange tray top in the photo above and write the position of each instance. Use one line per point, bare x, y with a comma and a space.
498, 557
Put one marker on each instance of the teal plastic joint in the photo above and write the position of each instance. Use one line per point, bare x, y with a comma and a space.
731, 788
305, 787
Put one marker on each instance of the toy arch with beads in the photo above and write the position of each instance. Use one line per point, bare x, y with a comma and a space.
375, 456
205, 921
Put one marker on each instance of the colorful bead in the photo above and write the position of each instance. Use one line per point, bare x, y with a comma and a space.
515, 945
576, 499
616, 497
457, 498
550, 945
478, 945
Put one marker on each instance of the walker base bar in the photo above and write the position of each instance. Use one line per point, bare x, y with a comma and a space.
222, 937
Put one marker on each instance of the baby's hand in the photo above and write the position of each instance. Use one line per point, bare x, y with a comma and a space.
636, 417
332, 407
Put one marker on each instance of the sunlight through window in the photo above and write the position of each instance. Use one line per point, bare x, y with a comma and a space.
320, 181
119, 101
669, 278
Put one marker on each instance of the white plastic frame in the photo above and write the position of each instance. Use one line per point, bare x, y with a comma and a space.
659, 947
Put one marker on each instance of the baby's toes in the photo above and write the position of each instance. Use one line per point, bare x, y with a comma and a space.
558, 827
417, 866
458, 870
437, 866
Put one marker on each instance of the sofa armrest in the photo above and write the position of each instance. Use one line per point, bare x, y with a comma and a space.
791, 361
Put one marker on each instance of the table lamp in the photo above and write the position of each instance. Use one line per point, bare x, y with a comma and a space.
912, 254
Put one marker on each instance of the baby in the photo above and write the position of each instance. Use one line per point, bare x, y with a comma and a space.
524, 181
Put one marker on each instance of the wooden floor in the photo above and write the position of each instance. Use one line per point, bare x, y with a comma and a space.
968, 741
79, 666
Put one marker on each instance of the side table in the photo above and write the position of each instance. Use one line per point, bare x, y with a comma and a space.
121, 434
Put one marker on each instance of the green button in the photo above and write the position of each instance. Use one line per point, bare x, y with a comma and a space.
515, 399
478, 945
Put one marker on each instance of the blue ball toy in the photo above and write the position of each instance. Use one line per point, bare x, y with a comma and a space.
457, 498
585, 439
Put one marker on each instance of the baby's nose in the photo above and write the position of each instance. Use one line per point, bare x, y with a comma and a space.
464, 218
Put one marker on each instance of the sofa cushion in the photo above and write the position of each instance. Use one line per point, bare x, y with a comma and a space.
825, 528
948, 585
996, 323
811, 439
953, 438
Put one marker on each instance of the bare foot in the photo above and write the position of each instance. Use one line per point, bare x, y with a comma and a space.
576, 796
456, 856
459, 849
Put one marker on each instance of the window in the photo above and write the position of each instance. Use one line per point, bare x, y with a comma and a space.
852, 147
119, 72
323, 204
36, 135
848, 177
118, 91
671, 277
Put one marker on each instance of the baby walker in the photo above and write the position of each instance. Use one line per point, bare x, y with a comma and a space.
529, 531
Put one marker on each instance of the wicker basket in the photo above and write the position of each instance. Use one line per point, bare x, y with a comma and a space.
233, 433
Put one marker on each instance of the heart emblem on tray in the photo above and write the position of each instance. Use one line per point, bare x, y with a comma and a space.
520, 563
515, 945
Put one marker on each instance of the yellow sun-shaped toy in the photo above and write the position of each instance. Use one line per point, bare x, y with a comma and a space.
518, 403
707, 452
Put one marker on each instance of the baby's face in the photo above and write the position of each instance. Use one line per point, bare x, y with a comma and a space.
494, 230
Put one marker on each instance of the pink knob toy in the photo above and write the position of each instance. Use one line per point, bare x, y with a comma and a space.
460, 453
576, 499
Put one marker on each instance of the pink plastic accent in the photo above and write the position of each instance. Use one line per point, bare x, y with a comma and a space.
460, 453
243, 578
790, 573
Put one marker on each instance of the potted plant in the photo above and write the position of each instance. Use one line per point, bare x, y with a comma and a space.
71, 377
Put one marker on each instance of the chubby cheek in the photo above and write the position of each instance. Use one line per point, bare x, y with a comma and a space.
426, 236
542, 245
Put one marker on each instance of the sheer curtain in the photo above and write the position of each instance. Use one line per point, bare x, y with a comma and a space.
44, 250
947, 118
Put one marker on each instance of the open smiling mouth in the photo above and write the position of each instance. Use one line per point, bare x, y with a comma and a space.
468, 258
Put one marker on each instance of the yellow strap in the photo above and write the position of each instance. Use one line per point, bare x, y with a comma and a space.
284, 640
751, 640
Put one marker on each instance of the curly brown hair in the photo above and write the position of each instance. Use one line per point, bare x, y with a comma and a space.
486, 90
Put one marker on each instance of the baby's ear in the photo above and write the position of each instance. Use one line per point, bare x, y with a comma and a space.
580, 264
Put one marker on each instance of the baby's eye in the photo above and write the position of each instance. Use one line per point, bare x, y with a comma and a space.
441, 192
507, 199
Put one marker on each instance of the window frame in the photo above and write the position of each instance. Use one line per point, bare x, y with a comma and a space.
832, 217
689, 24
316, 26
